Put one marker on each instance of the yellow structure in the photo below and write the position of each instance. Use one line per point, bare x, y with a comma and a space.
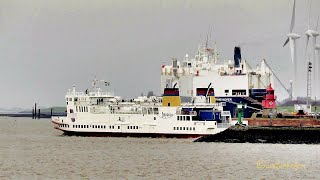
171, 97
212, 99
171, 101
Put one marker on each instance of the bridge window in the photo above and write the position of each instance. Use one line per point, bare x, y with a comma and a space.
156, 111
239, 92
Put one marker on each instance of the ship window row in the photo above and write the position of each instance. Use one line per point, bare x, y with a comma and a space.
133, 127
82, 109
76, 99
69, 99
80, 126
150, 111
64, 125
184, 128
239, 92
183, 118
94, 126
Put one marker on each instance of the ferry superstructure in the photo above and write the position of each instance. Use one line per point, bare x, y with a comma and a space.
234, 81
100, 113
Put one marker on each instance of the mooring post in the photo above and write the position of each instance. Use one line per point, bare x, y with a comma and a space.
35, 110
51, 112
32, 113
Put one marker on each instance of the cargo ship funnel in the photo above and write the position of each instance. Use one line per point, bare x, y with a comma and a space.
237, 56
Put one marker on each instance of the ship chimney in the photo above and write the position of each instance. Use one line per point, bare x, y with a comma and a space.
237, 56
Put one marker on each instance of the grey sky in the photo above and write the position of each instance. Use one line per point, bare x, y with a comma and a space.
47, 46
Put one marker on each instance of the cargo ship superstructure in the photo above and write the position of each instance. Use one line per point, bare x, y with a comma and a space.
234, 81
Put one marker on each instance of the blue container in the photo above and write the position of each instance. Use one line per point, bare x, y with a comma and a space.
206, 115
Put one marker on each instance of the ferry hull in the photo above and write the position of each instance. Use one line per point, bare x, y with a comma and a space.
118, 134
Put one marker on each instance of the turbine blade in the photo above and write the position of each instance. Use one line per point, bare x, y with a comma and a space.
317, 24
293, 16
285, 43
309, 13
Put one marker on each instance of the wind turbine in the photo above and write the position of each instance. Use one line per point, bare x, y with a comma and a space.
313, 34
292, 41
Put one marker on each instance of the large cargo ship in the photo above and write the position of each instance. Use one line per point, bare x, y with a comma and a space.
100, 113
235, 81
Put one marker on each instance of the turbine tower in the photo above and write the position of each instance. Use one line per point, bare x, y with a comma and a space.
292, 42
317, 49
313, 34
317, 62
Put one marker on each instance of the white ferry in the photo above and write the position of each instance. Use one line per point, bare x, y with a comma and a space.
100, 113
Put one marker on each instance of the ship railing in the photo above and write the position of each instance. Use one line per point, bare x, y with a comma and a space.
109, 94
192, 113
101, 94
127, 112
225, 113
76, 93
223, 125
98, 110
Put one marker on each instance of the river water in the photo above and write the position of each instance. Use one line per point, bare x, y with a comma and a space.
32, 149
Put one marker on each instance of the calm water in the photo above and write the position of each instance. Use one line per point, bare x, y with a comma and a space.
32, 149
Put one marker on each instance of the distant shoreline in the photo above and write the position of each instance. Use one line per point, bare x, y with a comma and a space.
44, 115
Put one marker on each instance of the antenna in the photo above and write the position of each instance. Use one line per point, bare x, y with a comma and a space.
175, 85
309, 83
208, 37
208, 89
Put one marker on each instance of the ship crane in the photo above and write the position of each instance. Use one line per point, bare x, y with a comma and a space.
288, 91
